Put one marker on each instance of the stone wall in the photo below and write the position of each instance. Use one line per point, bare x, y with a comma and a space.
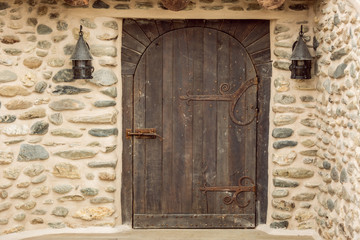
60, 143
337, 113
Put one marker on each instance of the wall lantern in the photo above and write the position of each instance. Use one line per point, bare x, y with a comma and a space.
81, 59
300, 59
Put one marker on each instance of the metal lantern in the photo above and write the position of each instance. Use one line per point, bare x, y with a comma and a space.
81, 59
300, 59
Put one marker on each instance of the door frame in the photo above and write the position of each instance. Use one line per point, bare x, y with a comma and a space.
136, 39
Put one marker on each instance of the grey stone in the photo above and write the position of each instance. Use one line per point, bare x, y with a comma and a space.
280, 216
69, 49
111, 24
330, 205
39, 179
339, 72
308, 122
12, 51
7, 118
100, 50
283, 205
293, 172
282, 53
282, 65
111, 92
122, 6
104, 77
66, 133
308, 143
111, 164
39, 212
284, 98
56, 118
104, 103
44, 44
69, 90
66, 170
60, 212
11, 173
57, 225
326, 165
7, 76
39, 128
21, 195
40, 86
100, 4
64, 75
334, 174
343, 176
62, 189
56, 62
306, 132
62, 25
307, 98
98, 200
337, 20
284, 183
43, 29
89, 191
31, 38
32, 152
66, 104
39, 191
88, 22
283, 144
97, 132
19, 217
279, 225
338, 54
34, 170
76, 154
280, 28
90, 176
304, 197
4, 206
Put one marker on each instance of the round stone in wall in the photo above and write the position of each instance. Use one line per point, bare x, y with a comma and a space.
40, 87
62, 189
32, 152
66, 104
32, 62
43, 29
104, 77
7, 76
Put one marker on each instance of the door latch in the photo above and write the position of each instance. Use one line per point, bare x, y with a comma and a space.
142, 133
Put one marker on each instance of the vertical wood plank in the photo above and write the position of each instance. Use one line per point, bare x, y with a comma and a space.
139, 145
133, 29
126, 177
168, 193
209, 132
244, 28
153, 103
149, 28
223, 77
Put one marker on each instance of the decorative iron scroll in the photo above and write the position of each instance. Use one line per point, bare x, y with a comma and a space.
232, 98
236, 189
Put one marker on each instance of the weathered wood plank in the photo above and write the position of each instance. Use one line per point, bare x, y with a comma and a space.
262, 56
261, 29
153, 119
168, 192
132, 28
129, 55
127, 68
244, 28
132, 43
126, 177
149, 28
139, 144
209, 132
259, 44
195, 23
163, 26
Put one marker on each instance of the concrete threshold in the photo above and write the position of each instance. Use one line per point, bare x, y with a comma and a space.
122, 233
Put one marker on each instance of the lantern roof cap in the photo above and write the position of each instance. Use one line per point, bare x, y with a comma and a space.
300, 50
82, 50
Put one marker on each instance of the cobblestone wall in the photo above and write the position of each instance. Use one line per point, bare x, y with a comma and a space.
60, 143
337, 113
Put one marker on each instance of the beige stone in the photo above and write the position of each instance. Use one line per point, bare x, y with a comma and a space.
284, 119
29, 80
36, 112
27, 205
93, 213
12, 91
6, 157
66, 170
15, 130
74, 197
76, 154
106, 176
107, 118
32, 62
11, 173
285, 109
18, 104
63, 132
284, 160
303, 215
39, 191
14, 229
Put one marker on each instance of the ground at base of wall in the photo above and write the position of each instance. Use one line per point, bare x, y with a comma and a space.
228, 234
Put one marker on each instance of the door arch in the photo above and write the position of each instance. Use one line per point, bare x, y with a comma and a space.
166, 72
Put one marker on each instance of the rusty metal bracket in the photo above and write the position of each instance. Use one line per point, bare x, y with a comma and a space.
235, 189
142, 133
232, 98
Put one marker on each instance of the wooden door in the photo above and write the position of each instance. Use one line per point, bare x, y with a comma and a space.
198, 88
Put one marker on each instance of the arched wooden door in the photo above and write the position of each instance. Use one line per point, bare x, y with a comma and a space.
194, 131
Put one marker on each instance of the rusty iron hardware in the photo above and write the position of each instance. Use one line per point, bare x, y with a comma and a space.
232, 98
235, 189
143, 133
